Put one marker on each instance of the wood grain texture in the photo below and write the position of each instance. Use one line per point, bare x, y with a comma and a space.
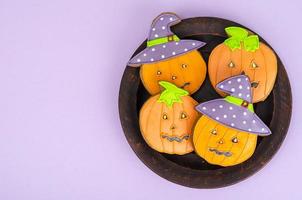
190, 170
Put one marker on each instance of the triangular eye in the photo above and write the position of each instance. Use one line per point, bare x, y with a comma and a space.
231, 64
183, 115
184, 65
214, 132
254, 65
235, 140
165, 116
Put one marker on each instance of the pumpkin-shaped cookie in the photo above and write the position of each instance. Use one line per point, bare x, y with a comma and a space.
227, 132
167, 58
167, 120
244, 54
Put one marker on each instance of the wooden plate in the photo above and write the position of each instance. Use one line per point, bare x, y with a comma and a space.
190, 170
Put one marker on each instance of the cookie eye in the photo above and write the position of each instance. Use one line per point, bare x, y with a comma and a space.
235, 140
158, 72
183, 115
231, 64
214, 132
254, 65
174, 77
165, 116
184, 65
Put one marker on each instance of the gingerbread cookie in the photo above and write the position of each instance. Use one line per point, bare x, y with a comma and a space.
168, 58
242, 53
167, 120
227, 132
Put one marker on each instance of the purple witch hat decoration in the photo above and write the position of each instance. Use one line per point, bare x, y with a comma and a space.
163, 43
236, 110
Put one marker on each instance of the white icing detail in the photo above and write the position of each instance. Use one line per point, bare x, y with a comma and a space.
254, 121
171, 18
164, 46
161, 19
233, 89
225, 116
213, 109
240, 87
220, 106
138, 60
250, 129
248, 87
244, 113
244, 122
239, 79
231, 108
153, 29
162, 56
221, 86
151, 59
176, 43
234, 116
232, 124
145, 54
185, 49
156, 35
204, 108
173, 53
240, 94
217, 118
247, 95
163, 27
193, 44
153, 49
263, 129
229, 82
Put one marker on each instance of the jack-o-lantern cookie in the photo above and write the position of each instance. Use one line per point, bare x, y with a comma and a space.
242, 53
168, 58
227, 132
167, 120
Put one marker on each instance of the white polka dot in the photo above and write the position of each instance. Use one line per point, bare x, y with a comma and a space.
153, 49
231, 108
153, 29
217, 118
171, 18
263, 129
232, 124
233, 89
229, 82
176, 43
234, 116
244, 122
204, 108
213, 109
193, 44
247, 95
225, 116
145, 54
161, 19
221, 86
240, 87
250, 129
163, 27
162, 56
138, 60
185, 49
173, 53
244, 113
164, 46
240, 94
246, 79
254, 121
151, 59
248, 87
220, 106
239, 79
155, 35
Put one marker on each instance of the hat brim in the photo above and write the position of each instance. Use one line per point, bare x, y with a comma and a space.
164, 51
234, 116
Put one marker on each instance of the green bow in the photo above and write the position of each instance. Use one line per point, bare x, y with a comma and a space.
171, 94
238, 35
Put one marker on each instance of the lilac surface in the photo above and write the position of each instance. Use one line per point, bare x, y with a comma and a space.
61, 65
160, 28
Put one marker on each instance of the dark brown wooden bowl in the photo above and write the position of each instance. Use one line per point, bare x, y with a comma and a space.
191, 170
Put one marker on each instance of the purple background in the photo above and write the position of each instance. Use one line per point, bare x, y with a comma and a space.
61, 64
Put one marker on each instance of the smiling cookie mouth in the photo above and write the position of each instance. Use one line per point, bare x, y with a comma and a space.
176, 138
217, 152
185, 84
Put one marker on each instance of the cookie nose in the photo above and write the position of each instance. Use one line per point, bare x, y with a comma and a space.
173, 127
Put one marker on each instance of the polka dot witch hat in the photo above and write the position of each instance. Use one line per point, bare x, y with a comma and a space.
236, 110
163, 43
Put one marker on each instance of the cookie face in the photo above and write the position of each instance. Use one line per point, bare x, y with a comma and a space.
243, 54
221, 145
187, 71
167, 121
